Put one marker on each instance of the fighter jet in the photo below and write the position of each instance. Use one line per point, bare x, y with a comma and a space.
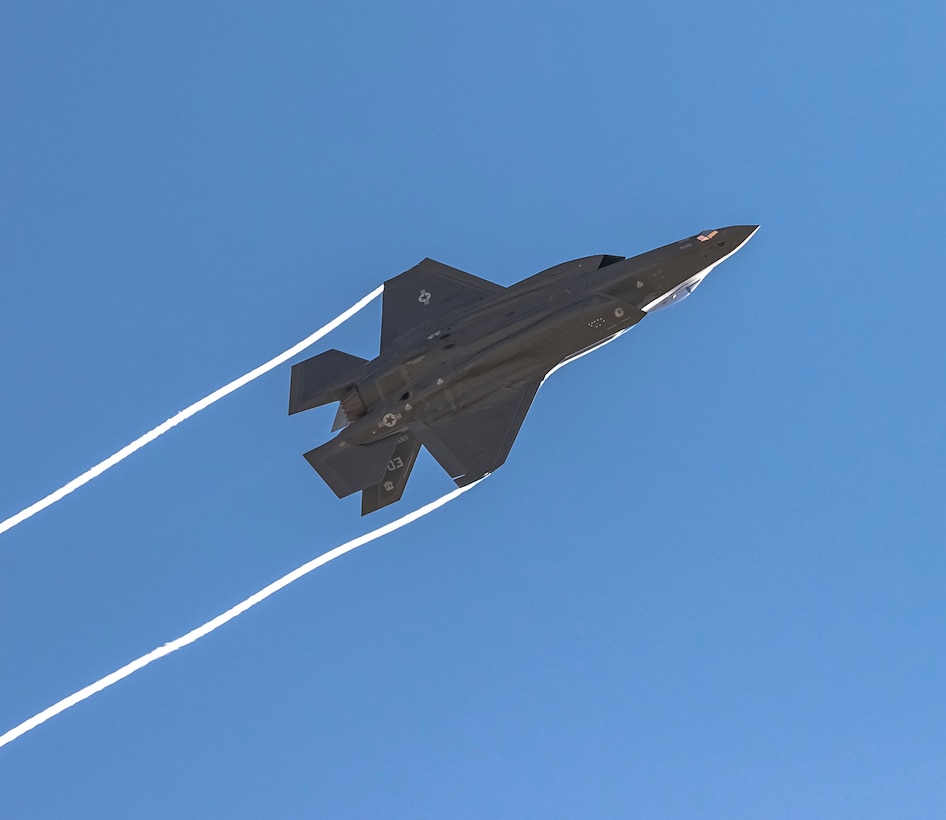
461, 359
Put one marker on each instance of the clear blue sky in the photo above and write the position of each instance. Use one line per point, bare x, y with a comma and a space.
711, 579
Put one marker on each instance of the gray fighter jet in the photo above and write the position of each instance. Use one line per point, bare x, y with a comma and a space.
462, 358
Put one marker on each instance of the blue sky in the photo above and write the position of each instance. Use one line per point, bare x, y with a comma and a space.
710, 579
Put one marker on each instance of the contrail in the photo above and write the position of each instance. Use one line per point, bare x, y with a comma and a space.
229, 615
195, 408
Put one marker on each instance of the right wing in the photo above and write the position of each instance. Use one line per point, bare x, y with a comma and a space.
475, 442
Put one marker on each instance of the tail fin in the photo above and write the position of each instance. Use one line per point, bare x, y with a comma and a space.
391, 487
322, 379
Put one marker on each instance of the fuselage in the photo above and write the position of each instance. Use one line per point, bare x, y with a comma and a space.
525, 331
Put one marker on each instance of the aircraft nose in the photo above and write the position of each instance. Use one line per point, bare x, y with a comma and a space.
739, 234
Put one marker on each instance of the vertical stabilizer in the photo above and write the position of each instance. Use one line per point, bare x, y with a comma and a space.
399, 467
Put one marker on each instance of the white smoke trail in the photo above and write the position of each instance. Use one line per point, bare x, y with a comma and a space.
185, 414
229, 615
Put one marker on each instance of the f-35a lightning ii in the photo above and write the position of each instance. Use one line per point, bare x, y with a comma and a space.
462, 358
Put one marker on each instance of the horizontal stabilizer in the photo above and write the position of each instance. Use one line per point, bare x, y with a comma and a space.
348, 468
322, 379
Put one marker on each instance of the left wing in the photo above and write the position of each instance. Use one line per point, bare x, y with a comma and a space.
475, 442
424, 293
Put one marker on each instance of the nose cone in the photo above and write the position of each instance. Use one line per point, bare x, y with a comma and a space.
738, 235
724, 241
